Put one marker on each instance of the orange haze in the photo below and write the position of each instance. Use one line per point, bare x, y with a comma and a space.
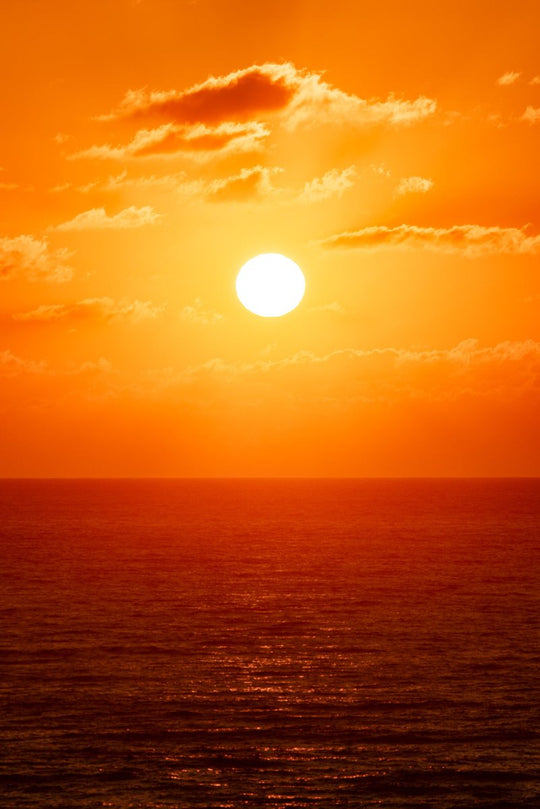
148, 149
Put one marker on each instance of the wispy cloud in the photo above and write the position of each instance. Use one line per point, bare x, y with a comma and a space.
33, 259
12, 365
170, 140
317, 102
413, 185
331, 184
469, 240
123, 181
465, 353
379, 170
535, 80
248, 184
57, 189
198, 313
503, 371
531, 115
93, 308
471, 351
508, 78
99, 219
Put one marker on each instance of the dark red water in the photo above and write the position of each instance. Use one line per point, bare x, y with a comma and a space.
270, 644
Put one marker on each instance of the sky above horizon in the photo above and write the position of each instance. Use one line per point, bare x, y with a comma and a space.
151, 148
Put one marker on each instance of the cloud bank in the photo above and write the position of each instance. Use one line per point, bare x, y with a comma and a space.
260, 91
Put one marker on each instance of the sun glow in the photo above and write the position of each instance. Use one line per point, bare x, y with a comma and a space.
270, 285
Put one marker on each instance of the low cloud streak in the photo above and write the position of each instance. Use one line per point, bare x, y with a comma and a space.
468, 240
171, 140
99, 219
92, 308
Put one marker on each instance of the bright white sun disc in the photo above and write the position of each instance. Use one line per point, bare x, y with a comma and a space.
270, 285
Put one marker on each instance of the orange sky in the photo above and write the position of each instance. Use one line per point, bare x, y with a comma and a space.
150, 148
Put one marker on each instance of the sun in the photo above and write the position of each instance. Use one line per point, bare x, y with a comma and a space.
270, 285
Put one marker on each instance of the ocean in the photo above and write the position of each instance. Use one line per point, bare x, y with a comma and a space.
269, 643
